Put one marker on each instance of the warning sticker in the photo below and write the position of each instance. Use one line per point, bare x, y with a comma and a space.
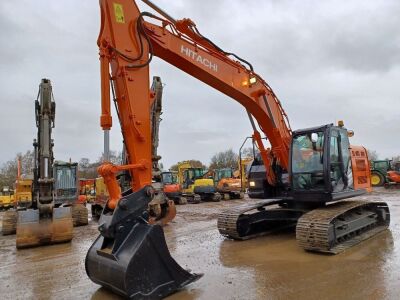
119, 13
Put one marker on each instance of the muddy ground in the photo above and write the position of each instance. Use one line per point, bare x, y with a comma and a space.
271, 267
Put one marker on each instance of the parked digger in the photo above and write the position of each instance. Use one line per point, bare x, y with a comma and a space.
172, 189
49, 219
195, 187
228, 183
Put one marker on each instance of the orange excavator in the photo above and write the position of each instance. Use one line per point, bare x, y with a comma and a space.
308, 171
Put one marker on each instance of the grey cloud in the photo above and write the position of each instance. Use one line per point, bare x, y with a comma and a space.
326, 60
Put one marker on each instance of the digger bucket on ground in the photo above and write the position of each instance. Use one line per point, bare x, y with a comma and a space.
33, 230
131, 257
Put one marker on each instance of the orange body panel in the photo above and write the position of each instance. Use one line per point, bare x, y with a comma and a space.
229, 185
172, 188
361, 168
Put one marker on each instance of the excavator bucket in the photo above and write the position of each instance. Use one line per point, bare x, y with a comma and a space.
33, 230
131, 257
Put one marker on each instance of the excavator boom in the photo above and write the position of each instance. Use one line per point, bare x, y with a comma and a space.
127, 44
44, 223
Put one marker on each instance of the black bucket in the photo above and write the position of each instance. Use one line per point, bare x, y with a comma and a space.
134, 260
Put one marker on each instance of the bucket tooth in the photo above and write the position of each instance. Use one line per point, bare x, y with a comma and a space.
33, 230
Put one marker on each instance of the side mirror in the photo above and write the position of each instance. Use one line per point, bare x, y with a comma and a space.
314, 137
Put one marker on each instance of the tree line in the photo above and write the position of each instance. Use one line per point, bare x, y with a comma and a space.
88, 169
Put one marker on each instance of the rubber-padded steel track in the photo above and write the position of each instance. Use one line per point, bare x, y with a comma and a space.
316, 230
228, 220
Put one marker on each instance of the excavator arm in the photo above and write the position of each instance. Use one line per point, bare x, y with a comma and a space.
127, 43
130, 256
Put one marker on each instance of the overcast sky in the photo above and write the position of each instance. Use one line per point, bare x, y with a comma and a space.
326, 61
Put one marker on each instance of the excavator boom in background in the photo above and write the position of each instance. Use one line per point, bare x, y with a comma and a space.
44, 223
46, 205
130, 256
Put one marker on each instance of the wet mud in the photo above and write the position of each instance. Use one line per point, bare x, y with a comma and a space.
271, 267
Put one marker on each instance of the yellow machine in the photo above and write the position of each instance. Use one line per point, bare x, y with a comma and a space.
244, 163
194, 186
23, 192
100, 199
6, 198
9, 218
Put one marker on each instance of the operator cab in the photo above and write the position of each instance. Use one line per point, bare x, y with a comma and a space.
190, 176
168, 178
321, 165
223, 173
66, 182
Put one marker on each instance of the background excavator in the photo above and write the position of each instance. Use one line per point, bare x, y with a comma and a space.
172, 188
44, 223
227, 183
196, 186
53, 210
308, 171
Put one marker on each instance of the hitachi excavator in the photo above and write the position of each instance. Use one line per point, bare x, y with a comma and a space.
308, 171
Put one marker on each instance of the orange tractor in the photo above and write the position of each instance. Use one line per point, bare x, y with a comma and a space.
393, 177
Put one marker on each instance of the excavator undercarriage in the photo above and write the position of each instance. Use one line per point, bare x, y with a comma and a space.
330, 229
